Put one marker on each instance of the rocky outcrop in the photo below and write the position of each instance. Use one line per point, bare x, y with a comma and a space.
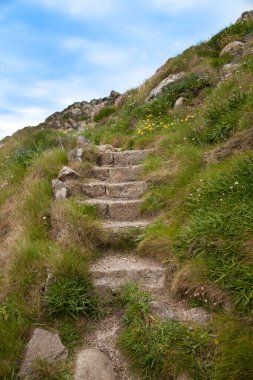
246, 16
42, 345
78, 114
165, 84
92, 364
234, 48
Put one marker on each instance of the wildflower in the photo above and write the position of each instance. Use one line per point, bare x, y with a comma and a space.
185, 138
221, 200
236, 183
231, 187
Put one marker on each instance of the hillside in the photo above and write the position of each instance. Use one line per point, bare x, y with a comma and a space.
126, 228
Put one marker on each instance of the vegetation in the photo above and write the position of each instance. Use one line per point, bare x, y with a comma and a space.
200, 196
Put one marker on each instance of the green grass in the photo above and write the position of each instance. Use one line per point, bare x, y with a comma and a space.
159, 348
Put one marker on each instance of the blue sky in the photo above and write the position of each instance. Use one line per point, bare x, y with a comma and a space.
55, 52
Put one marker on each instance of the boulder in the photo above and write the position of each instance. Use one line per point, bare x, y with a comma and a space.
61, 191
180, 102
67, 173
234, 48
93, 364
42, 345
164, 84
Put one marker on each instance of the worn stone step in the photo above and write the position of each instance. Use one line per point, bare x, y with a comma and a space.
115, 190
125, 158
119, 226
114, 271
117, 173
121, 210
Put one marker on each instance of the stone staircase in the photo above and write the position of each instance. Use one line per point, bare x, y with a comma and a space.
116, 189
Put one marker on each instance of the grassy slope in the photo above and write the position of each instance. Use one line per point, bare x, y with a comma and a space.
204, 227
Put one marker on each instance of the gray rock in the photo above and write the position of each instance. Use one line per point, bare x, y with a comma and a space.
82, 142
180, 102
229, 68
245, 16
165, 311
93, 364
67, 173
164, 84
76, 155
42, 345
61, 191
162, 310
114, 94
233, 48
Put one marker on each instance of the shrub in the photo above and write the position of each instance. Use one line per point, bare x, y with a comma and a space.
104, 112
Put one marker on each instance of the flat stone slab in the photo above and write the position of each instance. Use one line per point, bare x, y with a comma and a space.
121, 210
124, 190
92, 364
125, 158
112, 272
42, 345
165, 311
117, 173
117, 225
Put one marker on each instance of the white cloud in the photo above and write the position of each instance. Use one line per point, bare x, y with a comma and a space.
172, 6
78, 8
227, 9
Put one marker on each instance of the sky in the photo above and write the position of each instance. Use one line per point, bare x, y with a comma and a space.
56, 52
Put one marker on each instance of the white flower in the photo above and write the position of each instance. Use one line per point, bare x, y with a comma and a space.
236, 183
231, 187
221, 200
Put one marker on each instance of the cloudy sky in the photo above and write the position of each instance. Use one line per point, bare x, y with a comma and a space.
55, 52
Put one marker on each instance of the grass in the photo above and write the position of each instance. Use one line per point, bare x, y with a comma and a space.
203, 233
163, 349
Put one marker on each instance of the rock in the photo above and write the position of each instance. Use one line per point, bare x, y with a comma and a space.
245, 16
82, 142
165, 311
42, 345
180, 102
67, 173
233, 48
164, 84
93, 364
76, 155
114, 94
61, 191
162, 310
229, 68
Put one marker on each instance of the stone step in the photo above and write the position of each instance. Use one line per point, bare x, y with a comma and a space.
117, 173
114, 271
123, 226
120, 210
128, 190
125, 158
